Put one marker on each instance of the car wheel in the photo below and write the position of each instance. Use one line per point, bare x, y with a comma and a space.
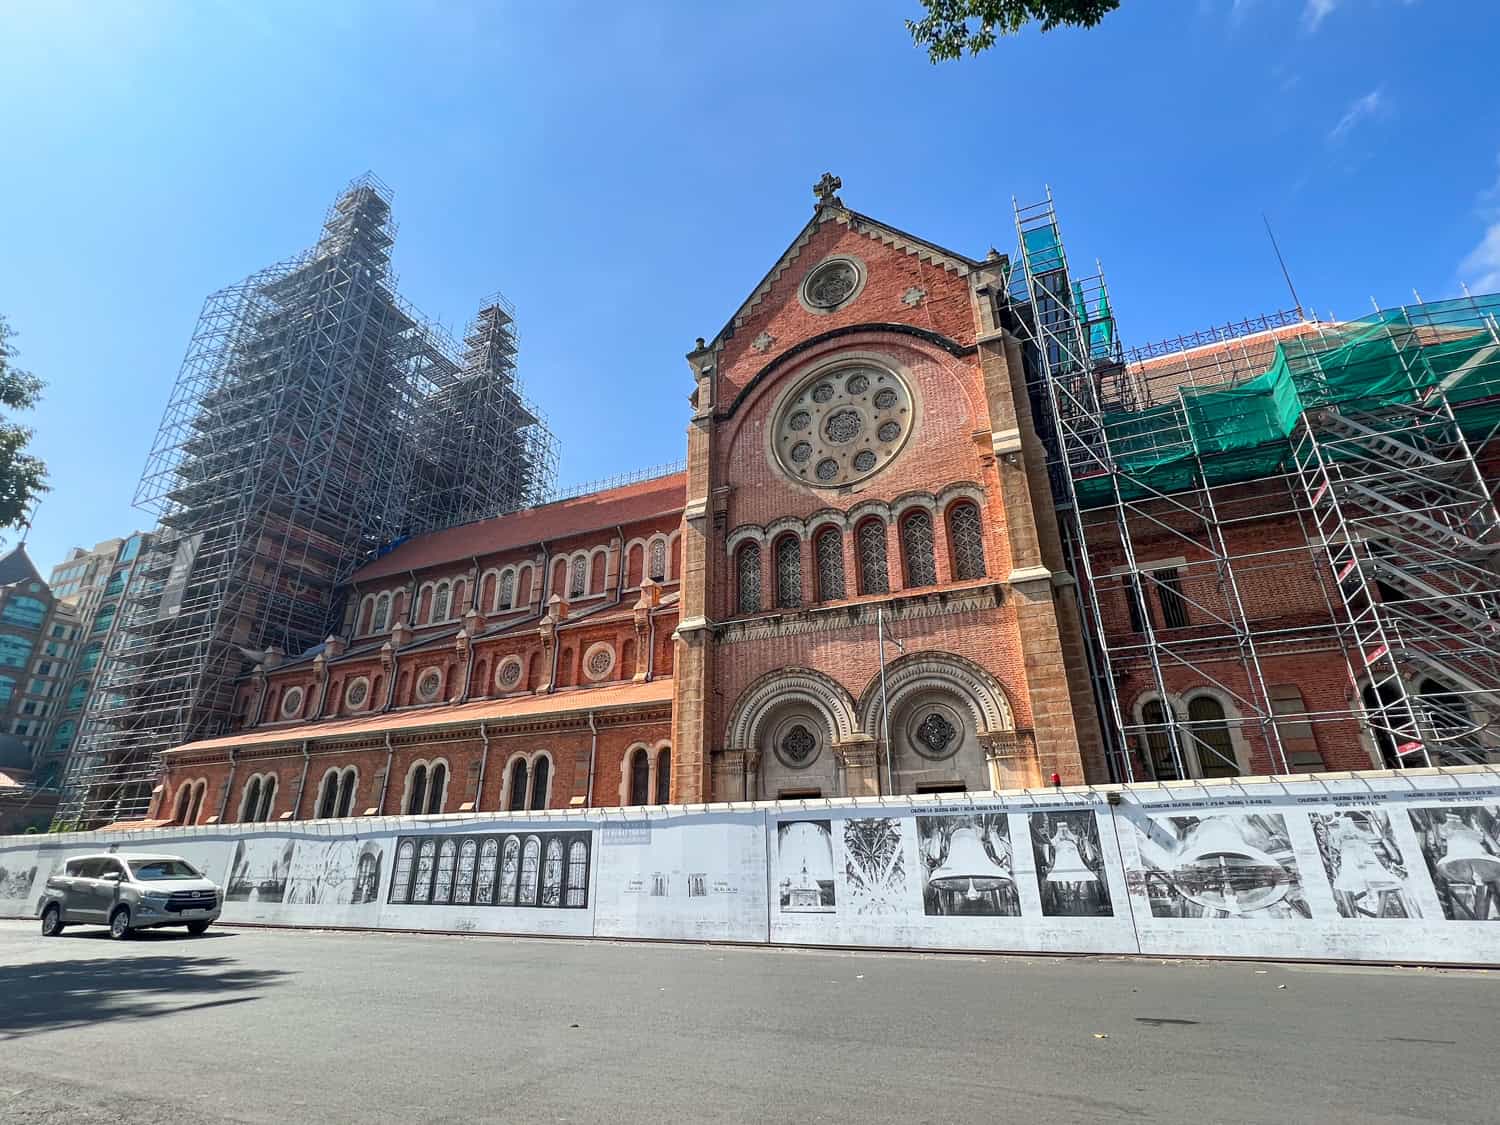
198, 927
119, 923
52, 923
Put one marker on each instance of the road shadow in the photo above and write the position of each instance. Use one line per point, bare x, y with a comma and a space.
69, 992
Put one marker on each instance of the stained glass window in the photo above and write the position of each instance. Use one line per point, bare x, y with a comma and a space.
916, 549
463, 886
580, 578
539, 774
382, 614
663, 777
788, 572
870, 540
507, 590
578, 874
442, 890
749, 578
966, 536
552, 874
401, 879
440, 603
659, 560
510, 867
531, 861
828, 548
421, 890
640, 778
489, 856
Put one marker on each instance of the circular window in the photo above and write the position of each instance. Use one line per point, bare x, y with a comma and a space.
291, 702
797, 743
428, 686
935, 731
831, 284
835, 429
508, 675
598, 661
356, 693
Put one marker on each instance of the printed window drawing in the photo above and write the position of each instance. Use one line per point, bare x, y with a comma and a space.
541, 870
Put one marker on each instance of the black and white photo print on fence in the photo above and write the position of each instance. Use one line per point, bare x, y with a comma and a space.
260, 870
967, 865
1070, 864
523, 869
874, 865
1370, 875
1461, 844
804, 852
1229, 866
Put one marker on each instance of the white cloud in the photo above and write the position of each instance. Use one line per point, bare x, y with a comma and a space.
1360, 109
1480, 270
1316, 12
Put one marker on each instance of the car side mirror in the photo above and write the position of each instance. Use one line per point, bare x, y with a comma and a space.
111, 876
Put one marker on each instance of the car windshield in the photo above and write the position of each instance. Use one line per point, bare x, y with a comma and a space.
152, 869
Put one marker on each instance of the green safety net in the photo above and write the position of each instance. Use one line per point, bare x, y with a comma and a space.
1238, 432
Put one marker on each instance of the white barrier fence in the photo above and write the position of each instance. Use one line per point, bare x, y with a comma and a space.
1387, 867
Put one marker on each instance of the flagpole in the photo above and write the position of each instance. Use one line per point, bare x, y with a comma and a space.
885, 712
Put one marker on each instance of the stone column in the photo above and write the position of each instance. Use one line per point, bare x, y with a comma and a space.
861, 766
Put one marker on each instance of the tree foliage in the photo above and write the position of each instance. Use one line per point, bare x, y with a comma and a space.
952, 27
22, 477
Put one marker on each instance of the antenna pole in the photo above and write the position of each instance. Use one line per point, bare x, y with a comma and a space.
1285, 273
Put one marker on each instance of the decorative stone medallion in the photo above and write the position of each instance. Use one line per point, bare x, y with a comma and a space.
356, 693
291, 702
508, 674
429, 684
832, 284
598, 661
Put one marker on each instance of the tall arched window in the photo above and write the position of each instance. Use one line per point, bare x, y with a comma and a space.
1211, 738
920, 567
328, 795
552, 874
663, 777
966, 541
346, 792
416, 792
440, 602
788, 572
539, 775
870, 540
828, 554
517, 802
267, 799
382, 618
747, 567
531, 863
401, 877
184, 798
640, 778
579, 584
463, 883
442, 885
658, 568
195, 810
437, 781
578, 873
507, 596
510, 870
1158, 742
250, 800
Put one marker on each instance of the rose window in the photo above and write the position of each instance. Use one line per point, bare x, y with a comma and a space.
936, 735
428, 685
510, 673
600, 661
838, 428
831, 284
357, 692
797, 745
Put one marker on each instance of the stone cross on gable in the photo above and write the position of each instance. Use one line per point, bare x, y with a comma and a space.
827, 188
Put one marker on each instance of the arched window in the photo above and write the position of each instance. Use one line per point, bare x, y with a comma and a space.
578, 874
663, 777
966, 541
440, 602
580, 581
442, 885
250, 799
200, 789
747, 567
552, 874
916, 549
328, 795
828, 552
539, 776
346, 792
416, 791
436, 783
1158, 742
421, 885
870, 541
510, 869
658, 568
507, 596
531, 862
267, 799
179, 810
640, 778
382, 617
788, 572
463, 883
367, 877
484, 886
1212, 739
517, 802
401, 877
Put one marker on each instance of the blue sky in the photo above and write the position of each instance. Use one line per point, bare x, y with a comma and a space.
627, 173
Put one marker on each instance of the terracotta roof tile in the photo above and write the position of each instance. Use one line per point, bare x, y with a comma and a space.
629, 503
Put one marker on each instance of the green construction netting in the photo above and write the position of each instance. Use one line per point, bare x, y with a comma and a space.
1226, 433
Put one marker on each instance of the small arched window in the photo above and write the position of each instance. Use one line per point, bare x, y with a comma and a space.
328, 795
916, 549
870, 541
416, 791
346, 792
1158, 741
966, 541
437, 781
267, 799
640, 778
747, 567
184, 798
250, 801
1212, 739
539, 776
579, 584
517, 802
382, 618
828, 552
664, 777
658, 568
788, 572
507, 596
440, 602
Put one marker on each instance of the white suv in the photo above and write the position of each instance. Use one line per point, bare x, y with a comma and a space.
127, 893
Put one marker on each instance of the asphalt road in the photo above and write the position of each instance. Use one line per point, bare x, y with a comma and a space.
286, 1027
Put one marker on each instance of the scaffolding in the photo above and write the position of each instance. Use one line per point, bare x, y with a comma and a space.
1175, 464
316, 418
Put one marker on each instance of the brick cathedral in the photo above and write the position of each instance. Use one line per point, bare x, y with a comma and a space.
864, 475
